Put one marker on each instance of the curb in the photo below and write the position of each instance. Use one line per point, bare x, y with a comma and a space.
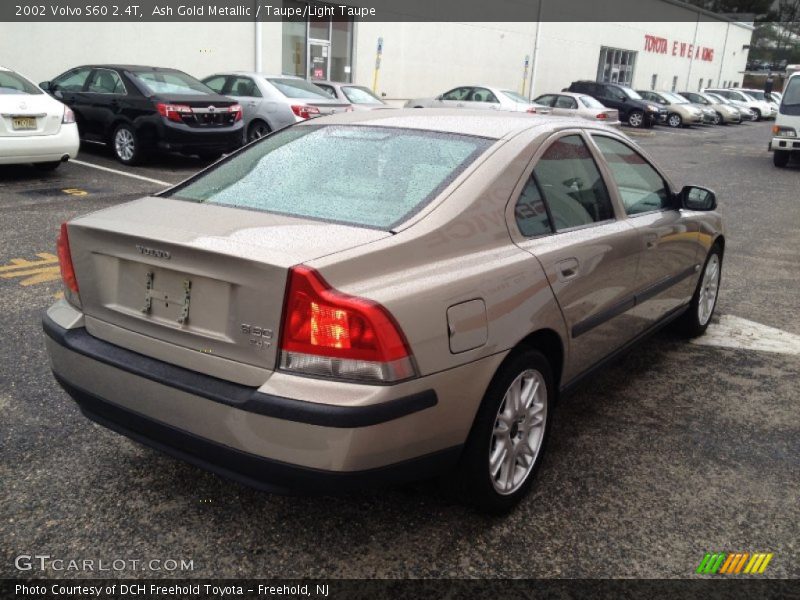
637, 133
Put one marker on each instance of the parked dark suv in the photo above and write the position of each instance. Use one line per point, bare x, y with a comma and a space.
140, 109
633, 109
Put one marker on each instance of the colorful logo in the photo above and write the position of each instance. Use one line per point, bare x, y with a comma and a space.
734, 563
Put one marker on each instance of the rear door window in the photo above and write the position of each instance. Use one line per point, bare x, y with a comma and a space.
216, 83
572, 185
245, 87
106, 81
358, 175
530, 211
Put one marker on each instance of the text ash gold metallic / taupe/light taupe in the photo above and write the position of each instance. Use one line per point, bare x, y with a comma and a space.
379, 296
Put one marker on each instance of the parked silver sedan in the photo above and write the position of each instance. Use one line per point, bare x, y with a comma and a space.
746, 113
382, 296
271, 102
361, 97
723, 113
681, 112
480, 97
569, 104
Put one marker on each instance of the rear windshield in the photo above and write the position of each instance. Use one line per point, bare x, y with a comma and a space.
171, 82
515, 97
590, 102
11, 83
358, 175
360, 95
298, 88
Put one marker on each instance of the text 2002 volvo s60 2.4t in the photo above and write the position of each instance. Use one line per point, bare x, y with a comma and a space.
379, 296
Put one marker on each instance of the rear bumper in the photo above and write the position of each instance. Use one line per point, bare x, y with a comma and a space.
249, 469
41, 148
264, 440
785, 143
182, 138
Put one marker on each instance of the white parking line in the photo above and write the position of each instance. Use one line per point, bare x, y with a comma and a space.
123, 173
735, 332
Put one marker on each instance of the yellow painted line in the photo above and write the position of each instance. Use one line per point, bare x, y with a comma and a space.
75, 192
753, 565
31, 272
21, 263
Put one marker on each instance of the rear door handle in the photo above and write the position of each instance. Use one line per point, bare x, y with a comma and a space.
568, 269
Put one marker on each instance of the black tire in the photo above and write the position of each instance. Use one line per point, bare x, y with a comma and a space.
257, 130
780, 158
691, 324
126, 145
211, 156
477, 484
674, 120
47, 166
756, 115
718, 120
636, 119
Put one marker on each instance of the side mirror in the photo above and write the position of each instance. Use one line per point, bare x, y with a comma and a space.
46, 86
693, 197
439, 98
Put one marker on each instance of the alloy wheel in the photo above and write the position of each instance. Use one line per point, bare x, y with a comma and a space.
674, 120
518, 432
709, 289
124, 144
635, 119
258, 131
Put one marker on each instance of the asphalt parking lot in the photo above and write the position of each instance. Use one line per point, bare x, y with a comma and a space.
677, 450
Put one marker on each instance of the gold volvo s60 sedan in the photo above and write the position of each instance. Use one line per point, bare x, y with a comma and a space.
379, 296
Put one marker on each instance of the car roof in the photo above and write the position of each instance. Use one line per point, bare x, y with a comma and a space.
125, 67
497, 125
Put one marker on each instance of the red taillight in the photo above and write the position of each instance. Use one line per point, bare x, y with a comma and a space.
327, 332
304, 111
65, 260
237, 110
601, 116
531, 110
173, 112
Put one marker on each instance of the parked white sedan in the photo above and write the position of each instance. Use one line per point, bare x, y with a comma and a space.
34, 127
480, 97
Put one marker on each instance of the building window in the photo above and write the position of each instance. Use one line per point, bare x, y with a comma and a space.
710, 83
653, 81
616, 66
320, 48
735, 85
674, 83
700, 85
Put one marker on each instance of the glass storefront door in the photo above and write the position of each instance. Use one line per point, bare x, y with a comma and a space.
319, 59
318, 48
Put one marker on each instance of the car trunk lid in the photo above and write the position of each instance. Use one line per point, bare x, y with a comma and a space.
201, 277
23, 115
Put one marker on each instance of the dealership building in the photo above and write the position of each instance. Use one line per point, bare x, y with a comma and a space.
697, 49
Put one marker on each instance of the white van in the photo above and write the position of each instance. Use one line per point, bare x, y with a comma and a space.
785, 141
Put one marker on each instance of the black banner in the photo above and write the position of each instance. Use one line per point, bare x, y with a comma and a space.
711, 588
366, 10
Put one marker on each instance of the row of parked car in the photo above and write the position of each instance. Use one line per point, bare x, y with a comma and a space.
137, 110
